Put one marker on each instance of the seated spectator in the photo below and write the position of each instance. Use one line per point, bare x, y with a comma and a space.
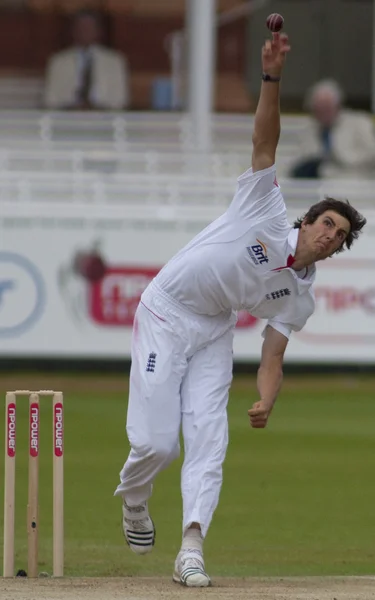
87, 75
337, 142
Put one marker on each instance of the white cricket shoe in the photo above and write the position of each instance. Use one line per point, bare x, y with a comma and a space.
138, 527
189, 569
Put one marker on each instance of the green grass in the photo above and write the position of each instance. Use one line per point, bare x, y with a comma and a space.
298, 498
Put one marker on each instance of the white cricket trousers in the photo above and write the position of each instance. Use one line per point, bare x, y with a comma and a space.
180, 375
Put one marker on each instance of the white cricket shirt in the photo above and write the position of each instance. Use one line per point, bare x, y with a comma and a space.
242, 261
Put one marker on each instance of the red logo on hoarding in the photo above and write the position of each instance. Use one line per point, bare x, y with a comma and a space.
34, 429
346, 298
11, 430
115, 297
344, 313
58, 420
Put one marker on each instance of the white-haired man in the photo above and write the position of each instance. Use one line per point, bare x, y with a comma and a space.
249, 258
337, 142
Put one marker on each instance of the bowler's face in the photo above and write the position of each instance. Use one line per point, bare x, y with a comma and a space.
327, 234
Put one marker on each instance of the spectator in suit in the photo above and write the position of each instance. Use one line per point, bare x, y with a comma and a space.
337, 142
87, 75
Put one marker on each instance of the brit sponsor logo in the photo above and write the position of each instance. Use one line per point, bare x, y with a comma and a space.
258, 253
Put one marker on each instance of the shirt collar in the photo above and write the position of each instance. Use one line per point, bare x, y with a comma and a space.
292, 245
292, 240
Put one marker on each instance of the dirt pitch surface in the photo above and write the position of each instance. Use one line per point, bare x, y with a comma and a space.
310, 588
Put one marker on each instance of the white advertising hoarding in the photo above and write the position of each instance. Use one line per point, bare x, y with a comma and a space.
54, 304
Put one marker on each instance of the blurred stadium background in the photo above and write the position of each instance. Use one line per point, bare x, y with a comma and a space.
92, 204
123, 190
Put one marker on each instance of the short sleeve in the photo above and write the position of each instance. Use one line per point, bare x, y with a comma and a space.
258, 196
287, 323
282, 328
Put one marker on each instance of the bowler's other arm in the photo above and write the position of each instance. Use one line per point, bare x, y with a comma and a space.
270, 376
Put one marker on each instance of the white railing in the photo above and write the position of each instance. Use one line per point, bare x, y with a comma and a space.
110, 161
89, 189
22, 92
132, 191
129, 131
142, 160
144, 143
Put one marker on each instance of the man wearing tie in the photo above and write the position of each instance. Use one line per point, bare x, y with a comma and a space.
87, 75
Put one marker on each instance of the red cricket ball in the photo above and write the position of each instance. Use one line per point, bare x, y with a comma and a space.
275, 22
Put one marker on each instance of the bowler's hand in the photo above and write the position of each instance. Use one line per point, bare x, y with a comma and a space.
259, 414
274, 53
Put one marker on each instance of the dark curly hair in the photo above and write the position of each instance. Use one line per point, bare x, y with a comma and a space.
343, 208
